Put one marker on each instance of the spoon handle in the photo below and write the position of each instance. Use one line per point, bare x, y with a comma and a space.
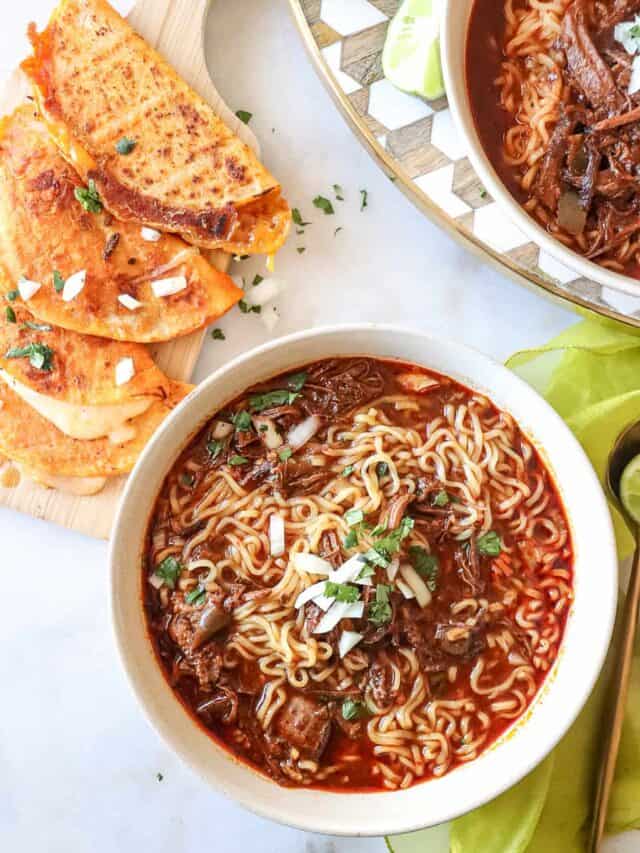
614, 715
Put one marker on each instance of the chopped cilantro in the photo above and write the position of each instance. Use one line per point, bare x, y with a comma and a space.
351, 539
339, 228
257, 279
159, 777
352, 709
187, 479
634, 31
280, 397
366, 572
238, 460
214, 447
301, 249
244, 116
244, 306
12, 295
390, 544
58, 282
169, 570
323, 204
440, 499
380, 610
382, 469
89, 197
10, 314
296, 381
341, 592
347, 471
339, 192
125, 145
242, 421
218, 335
196, 596
425, 564
376, 558
364, 199
297, 218
39, 355
285, 453
489, 544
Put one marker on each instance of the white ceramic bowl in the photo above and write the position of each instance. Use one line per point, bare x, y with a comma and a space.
455, 21
565, 689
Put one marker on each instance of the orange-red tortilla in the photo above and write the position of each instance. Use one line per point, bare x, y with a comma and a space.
97, 82
44, 229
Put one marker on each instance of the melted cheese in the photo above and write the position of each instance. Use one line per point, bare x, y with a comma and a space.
81, 486
83, 422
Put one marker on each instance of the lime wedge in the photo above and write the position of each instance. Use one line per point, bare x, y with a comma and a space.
411, 54
630, 488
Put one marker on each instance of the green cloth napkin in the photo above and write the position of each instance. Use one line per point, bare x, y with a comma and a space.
591, 375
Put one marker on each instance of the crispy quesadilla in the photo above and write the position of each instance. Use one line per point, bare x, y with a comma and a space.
155, 150
74, 405
77, 267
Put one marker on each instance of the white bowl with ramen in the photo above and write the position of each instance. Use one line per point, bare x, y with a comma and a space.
486, 567
507, 148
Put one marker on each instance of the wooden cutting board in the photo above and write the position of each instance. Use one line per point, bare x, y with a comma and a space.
176, 29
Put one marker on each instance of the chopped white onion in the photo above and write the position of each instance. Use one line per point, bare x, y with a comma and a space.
624, 33
324, 602
129, 301
276, 534
392, 568
270, 318
348, 640
73, 285
155, 581
124, 371
221, 430
267, 431
150, 234
349, 571
27, 288
268, 290
415, 582
310, 593
405, 589
634, 80
338, 610
169, 286
303, 432
312, 564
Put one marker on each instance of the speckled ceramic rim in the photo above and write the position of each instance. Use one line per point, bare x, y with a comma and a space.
537, 284
518, 750
453, 45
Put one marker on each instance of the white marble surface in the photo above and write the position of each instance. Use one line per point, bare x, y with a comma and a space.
78, 762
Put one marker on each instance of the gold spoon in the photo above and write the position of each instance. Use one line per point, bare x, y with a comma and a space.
626, 447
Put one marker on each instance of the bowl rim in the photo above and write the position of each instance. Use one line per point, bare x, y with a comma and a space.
396, 818
454, 69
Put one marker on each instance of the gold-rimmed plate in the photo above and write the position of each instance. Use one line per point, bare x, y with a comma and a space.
416, 143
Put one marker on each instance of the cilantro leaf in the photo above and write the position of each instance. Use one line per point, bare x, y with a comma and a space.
58, 282
341, 592
440, 499
125, 145
364, 199
489, 544
244, 116
297, 218
323, 204
285, 453
352, 709
280, 397
196, 596
169, 570
39, 355
218, 335
425, 564
89, 197
10, 314
380, 610
238, 460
